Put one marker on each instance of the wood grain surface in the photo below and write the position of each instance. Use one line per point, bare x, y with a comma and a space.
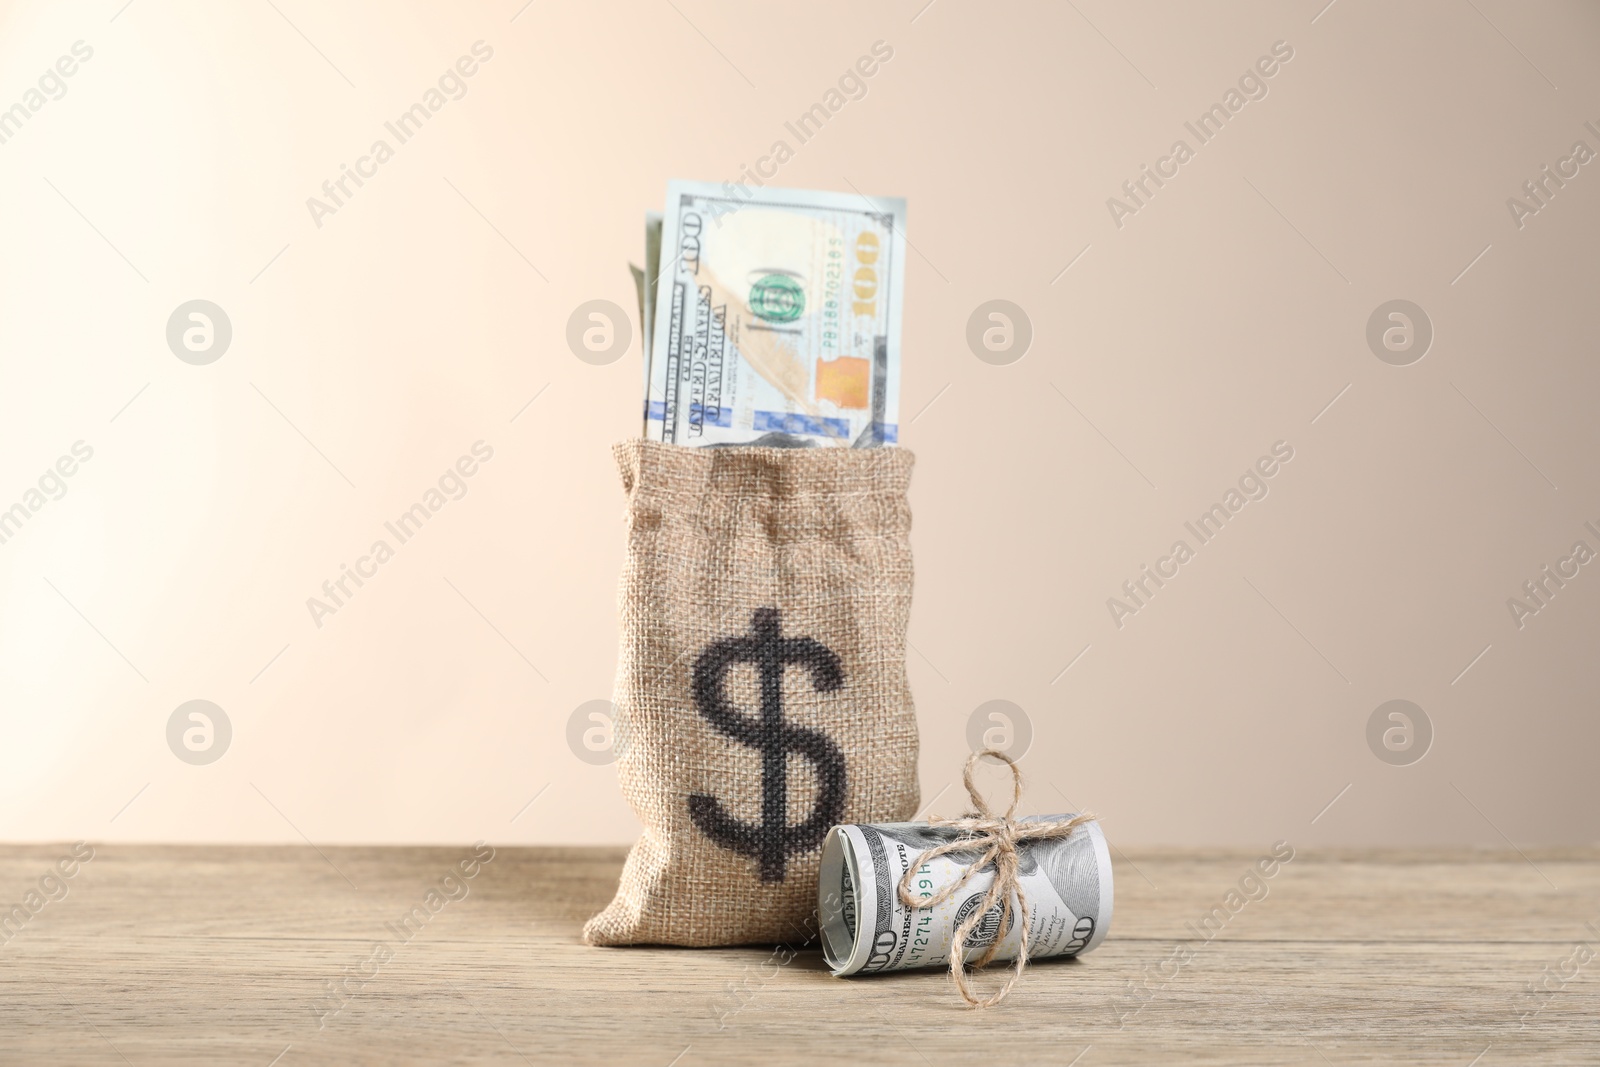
158, 954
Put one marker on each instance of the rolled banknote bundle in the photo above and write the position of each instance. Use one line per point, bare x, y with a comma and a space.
866, 928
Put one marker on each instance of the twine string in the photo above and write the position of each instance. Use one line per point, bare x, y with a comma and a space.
996, 838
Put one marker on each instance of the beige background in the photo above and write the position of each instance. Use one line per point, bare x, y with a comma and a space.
1226, 315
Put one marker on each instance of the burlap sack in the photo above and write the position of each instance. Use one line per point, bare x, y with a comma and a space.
761, 685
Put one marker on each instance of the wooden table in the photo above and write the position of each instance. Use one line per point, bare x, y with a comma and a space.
160, 954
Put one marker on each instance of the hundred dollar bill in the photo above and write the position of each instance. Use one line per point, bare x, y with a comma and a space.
777, 318
645, 282
652, 266
865, 927
638, 285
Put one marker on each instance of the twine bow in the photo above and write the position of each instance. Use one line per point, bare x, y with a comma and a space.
998, 838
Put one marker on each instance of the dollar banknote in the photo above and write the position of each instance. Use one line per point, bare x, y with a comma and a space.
652, 259
645, 281
775, 318
865, 927
639, 284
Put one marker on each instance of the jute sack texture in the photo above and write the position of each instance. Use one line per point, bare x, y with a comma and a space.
761, 685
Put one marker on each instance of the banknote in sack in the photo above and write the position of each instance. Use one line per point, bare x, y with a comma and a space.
761, 684
773, 317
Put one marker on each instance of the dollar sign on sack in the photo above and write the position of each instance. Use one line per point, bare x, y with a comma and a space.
772, 840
